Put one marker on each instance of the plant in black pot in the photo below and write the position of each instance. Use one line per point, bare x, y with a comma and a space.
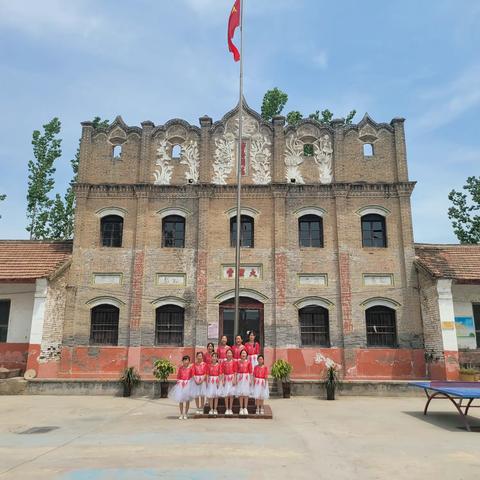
162, 369
281, 371
331, 381
129, 379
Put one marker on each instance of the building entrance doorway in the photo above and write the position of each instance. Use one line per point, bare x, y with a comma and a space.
251, 318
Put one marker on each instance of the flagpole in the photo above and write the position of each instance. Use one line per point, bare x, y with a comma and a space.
239, 185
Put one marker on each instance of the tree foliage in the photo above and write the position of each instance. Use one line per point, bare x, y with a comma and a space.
275, 100
2, 198
51, 218
46, 149
465, 222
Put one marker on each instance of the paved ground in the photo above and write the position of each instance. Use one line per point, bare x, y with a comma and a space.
351, 438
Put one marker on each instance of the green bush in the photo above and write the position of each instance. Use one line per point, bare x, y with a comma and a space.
130, 377
281, 370
162, 369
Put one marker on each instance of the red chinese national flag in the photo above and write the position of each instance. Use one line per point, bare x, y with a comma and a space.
233, 23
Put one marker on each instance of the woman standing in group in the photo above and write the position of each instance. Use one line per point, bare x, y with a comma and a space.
182, 391
199, 385
213, 384
244, 383
228, 370
207, 356
237, 348
253, 349
260, 390
222, 349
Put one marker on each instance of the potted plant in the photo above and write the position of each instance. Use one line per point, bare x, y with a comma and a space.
162, 369
468, 374
129, 379
281, 371
331, 381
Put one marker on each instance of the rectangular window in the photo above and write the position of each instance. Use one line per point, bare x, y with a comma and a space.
381, 327
4, 316
169, 325
476, 317
314, 329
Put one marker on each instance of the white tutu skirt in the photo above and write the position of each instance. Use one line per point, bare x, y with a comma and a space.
214, 389
228, 388
260, 390
253, 359
199, 390
181, 392
243, 385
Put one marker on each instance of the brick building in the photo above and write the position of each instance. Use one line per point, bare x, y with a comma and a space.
327, 258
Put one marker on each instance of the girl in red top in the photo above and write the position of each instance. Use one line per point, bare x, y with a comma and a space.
207, 356
260, 390
244, 373
222, 349
213, 384
253, 349
182, 391
237, 348
199, 384
228, 369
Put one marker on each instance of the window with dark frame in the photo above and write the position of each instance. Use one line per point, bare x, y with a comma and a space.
310, 231
4, 317
381, 327
246, 229
173, 231
104, 325
169, 325
314, 326
374, 232
111, 227
476, 319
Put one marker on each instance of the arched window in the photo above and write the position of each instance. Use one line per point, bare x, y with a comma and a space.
381, 327
169, 323
173, 231
310, 231
176, 151
104, 325
368, 149
111, 227
314, 328
374, 232
117, 152
246, 229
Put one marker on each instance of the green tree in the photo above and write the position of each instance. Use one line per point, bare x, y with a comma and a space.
273, 102
62, 214
2, 198
294, 117
46, 149
465, 222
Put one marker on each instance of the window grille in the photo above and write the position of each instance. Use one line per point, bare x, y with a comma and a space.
169, 325
314, 326
381, 327
104, 325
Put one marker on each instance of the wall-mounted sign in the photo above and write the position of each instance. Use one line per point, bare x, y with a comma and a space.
371, 279
171, 279
448, 325
247, 272
465, 328
312, 279
213, 330
107, 278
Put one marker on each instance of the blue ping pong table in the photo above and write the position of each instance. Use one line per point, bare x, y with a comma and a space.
456, 392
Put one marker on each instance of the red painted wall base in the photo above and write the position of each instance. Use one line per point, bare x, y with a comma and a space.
13, 355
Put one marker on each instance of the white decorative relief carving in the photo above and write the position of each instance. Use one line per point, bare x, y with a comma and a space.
293, 159
260, 159
190, 157
323, 153
249, 125
224, 158
163, 174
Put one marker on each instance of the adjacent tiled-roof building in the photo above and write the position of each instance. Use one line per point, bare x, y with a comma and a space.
458, 262
27, 260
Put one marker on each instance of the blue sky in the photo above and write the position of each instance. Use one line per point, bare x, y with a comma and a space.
159, 59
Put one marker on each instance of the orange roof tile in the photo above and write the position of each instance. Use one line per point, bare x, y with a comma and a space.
27, 260
459, 262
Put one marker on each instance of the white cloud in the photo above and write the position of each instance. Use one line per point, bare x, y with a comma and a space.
38, 17
321, 60
450, 101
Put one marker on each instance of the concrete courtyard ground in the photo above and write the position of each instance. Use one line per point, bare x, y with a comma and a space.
351, 438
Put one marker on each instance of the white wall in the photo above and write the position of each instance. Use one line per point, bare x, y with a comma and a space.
463, 297
21, 296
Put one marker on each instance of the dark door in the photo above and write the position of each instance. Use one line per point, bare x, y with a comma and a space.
251, 318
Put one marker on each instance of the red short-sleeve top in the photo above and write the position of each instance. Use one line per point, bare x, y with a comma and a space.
244, 366
228, 368
214, 370
200, 368
222, 352
236, 350
207, 357
252, 348
260, 371
184, 373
